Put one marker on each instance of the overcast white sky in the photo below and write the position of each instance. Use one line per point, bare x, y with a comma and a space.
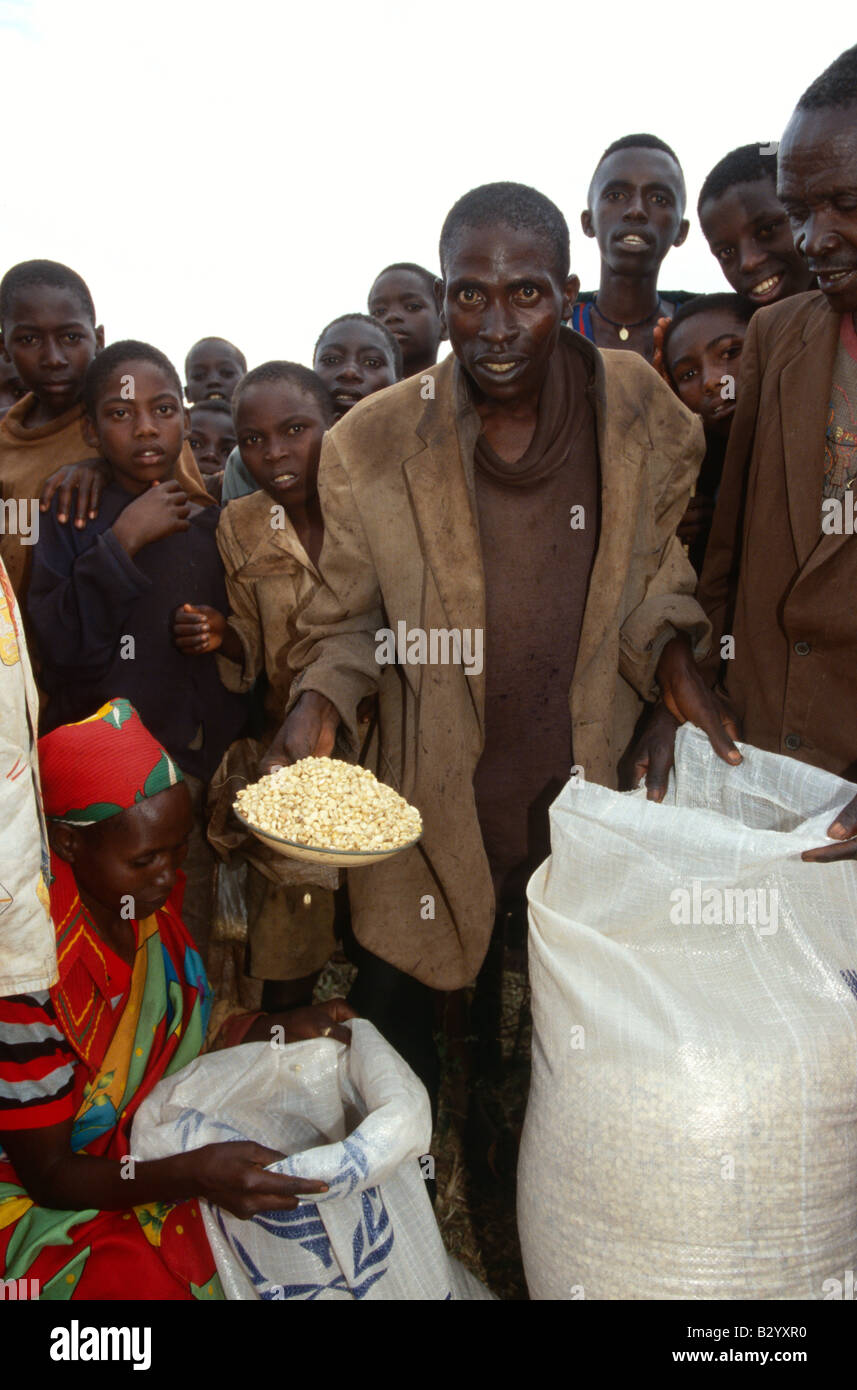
245, 169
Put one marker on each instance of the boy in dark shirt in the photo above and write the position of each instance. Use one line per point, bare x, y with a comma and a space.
747, 229
635, 211
403, 299
102, 599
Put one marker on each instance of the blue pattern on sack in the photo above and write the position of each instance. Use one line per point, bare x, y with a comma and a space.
371, 1242
190, 1122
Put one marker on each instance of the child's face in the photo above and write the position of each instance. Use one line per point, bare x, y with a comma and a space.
141, 436
817, 184
12, 387
136, 854
354, 361
212, 438
280, 429
51, 342
636, 211
400, 300
701, 351
749, 233
213, 372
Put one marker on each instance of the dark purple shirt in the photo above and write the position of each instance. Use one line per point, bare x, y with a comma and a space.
88, 597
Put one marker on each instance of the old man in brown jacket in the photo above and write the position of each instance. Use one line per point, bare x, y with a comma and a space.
780, 575
503, 530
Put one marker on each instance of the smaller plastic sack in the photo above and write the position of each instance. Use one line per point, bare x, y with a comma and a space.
356, 1117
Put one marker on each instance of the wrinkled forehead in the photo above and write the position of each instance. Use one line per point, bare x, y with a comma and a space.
818, 150
498, 254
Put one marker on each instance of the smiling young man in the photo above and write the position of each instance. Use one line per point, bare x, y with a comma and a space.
635, 211
531, 495
747, 229
781, 567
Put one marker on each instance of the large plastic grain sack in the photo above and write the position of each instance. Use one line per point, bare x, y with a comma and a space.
691, 1130
356, 1117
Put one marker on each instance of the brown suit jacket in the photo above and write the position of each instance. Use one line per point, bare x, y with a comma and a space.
401, 544
772, 579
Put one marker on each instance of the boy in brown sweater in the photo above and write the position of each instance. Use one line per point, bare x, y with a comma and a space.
269, 543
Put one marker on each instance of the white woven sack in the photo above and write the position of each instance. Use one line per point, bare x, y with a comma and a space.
691, 1130
356, 1117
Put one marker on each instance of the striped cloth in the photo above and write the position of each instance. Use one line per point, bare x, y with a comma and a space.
36, 1064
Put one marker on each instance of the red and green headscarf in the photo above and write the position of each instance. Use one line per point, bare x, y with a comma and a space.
102, 765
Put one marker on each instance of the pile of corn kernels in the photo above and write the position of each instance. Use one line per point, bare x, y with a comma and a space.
324, 803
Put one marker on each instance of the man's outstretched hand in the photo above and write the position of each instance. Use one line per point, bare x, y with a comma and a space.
844, 829
309, 731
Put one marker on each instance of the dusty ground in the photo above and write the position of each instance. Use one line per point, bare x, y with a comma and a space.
476, 1139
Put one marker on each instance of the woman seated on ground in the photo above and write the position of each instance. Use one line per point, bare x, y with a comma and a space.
131, 1006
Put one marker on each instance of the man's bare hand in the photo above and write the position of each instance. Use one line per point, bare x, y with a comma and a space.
844, 829
690, 700
309, 731
652, 754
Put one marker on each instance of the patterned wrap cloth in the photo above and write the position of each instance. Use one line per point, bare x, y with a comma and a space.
92, 1048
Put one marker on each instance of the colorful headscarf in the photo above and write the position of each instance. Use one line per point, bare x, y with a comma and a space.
102, 765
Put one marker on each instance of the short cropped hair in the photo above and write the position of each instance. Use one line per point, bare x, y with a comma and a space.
27, 274
641, 142
303, 378
427, 276
747, 164
242, 360
218, 407
117, 355
392, 341
742, 308
837, 85
514, 205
